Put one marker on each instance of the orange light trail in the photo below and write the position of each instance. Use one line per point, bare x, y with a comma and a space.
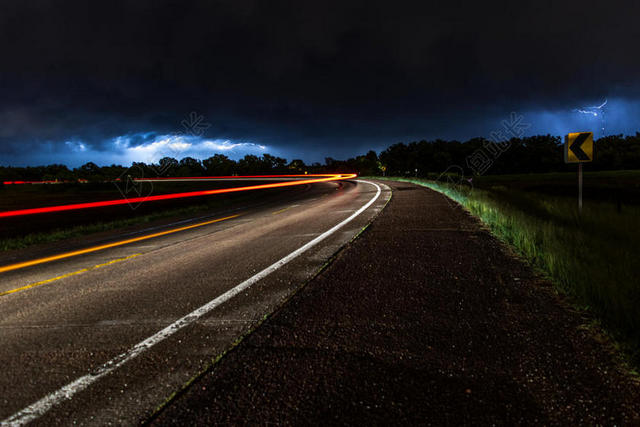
123, 201
107, 246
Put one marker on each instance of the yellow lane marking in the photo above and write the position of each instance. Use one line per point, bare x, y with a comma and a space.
84, 270
107, 246
282, 210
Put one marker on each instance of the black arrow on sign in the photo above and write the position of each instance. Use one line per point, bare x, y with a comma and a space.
576, 146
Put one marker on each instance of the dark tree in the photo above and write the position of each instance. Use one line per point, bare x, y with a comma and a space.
219, 165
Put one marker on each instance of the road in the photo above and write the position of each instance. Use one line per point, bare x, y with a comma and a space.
101, 337
425, 319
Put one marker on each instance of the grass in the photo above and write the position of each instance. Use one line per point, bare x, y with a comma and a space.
590, 256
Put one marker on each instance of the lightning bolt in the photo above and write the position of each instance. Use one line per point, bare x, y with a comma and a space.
595, 111
601, 105
587, 112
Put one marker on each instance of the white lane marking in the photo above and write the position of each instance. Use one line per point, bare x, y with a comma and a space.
40, 407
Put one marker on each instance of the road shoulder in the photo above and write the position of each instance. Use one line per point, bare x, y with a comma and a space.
424, 318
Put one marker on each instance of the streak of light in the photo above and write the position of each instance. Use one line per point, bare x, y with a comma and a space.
24, 264
150, 198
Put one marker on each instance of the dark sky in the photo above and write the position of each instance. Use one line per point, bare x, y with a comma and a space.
113, 80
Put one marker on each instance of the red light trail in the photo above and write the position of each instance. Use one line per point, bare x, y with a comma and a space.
76, 206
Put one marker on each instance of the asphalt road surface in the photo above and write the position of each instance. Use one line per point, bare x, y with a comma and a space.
425, 319
102, 337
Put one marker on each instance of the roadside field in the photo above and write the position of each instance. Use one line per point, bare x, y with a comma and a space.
591, 256
619, 187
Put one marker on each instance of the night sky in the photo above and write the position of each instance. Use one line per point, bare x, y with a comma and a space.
117, 81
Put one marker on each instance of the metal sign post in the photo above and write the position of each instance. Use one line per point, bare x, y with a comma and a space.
580, 187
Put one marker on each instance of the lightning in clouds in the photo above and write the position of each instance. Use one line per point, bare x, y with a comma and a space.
179, 146
595, 111
149, 147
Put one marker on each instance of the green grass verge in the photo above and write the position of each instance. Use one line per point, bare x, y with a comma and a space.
590, 256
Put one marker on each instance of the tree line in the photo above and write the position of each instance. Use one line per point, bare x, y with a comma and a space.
216, 165
535, 154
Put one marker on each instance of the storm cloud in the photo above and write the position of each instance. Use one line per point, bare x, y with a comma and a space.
304, 79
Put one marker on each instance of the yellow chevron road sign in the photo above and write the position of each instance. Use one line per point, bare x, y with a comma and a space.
578, 147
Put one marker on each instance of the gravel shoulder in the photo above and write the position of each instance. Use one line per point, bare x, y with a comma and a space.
425, 318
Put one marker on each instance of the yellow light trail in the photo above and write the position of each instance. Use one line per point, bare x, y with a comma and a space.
107, 246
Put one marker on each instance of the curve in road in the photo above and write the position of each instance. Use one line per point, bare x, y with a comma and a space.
120, 331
